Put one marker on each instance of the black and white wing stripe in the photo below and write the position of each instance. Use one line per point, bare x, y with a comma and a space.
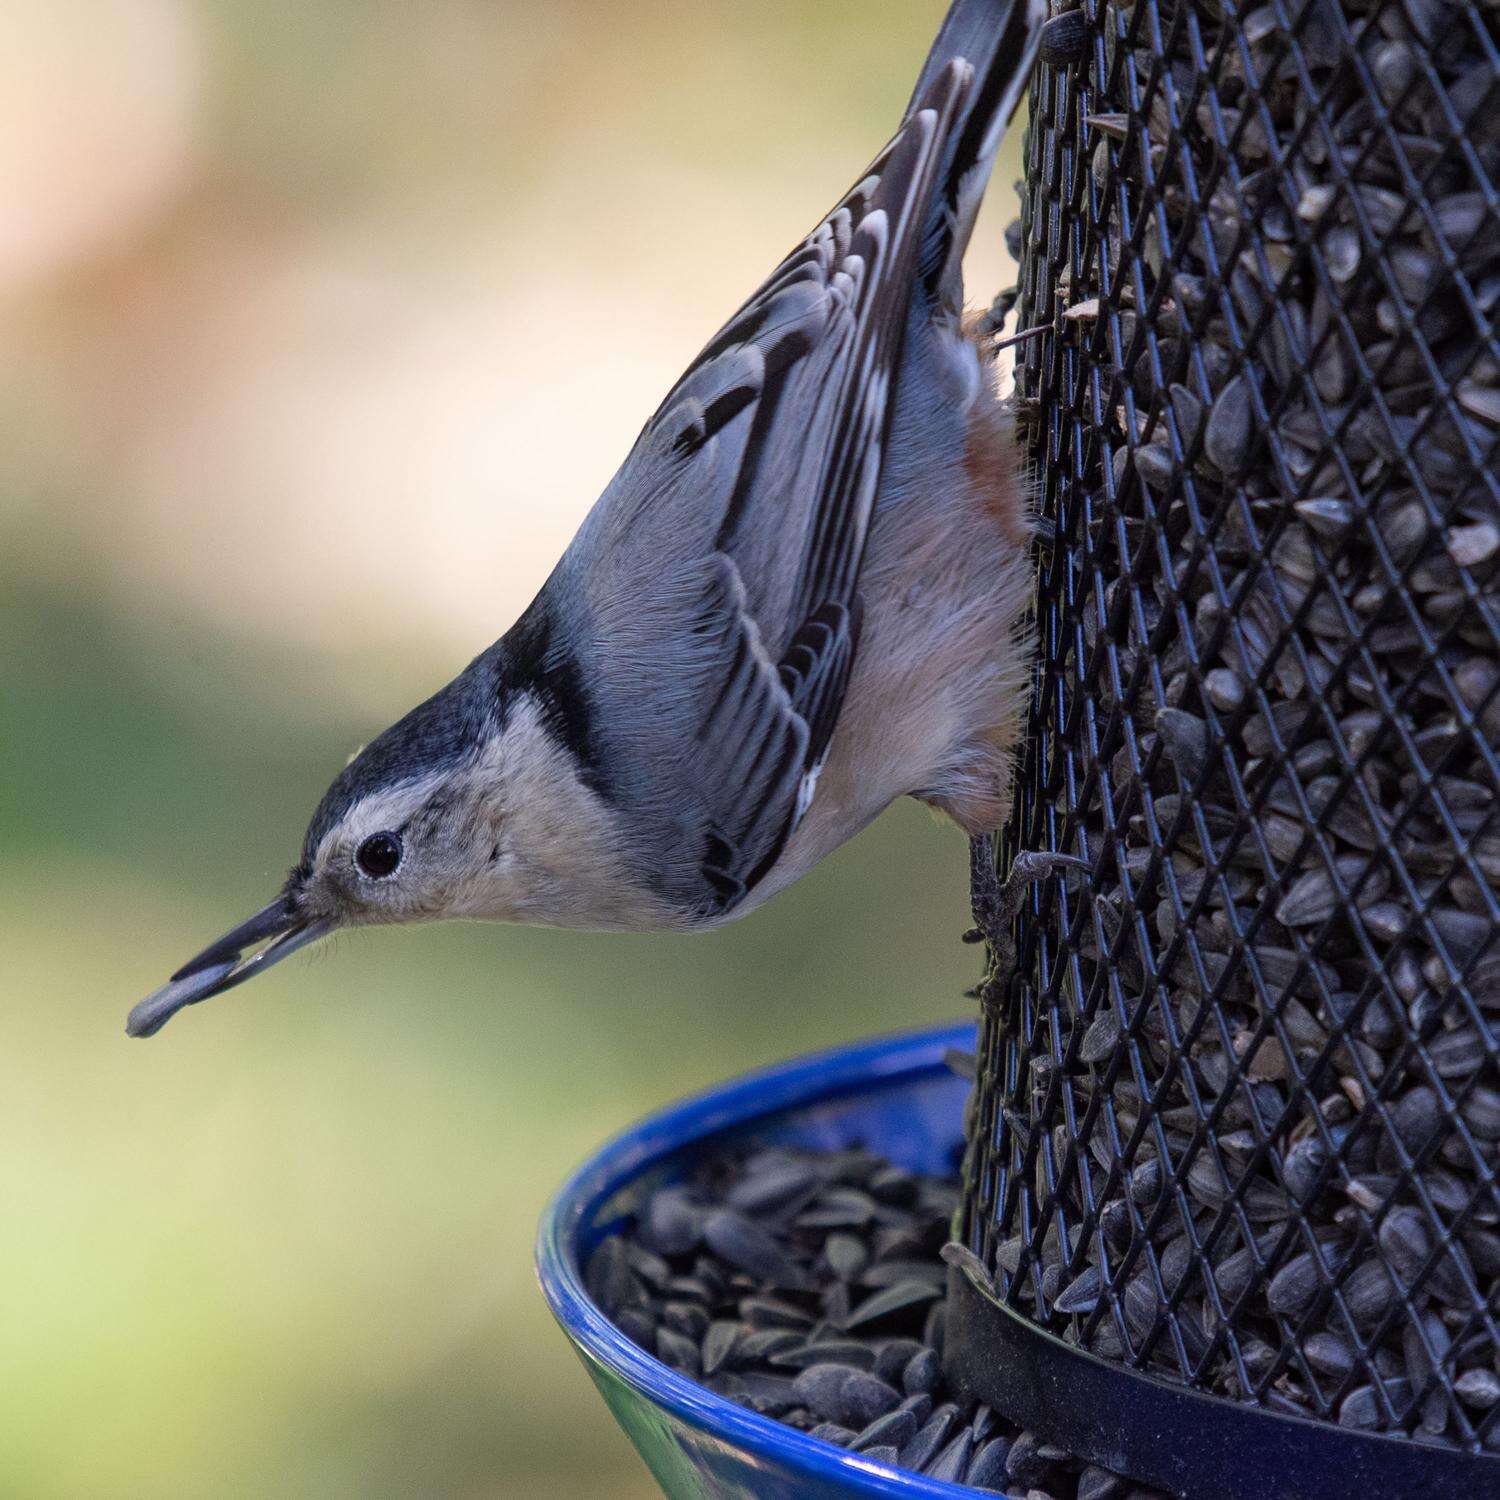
722, 566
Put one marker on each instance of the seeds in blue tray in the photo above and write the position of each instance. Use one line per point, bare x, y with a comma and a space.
893, 1357
952, 1463
832, 1432
920, 1374
920, 1406
673, 1225
905, 1296
638, 1325
773, 1312
689, 1318
749, 1248
678, 1351
835, 1351
1024, 1463
893, 1186
838, 1208
719, 1343
868, 1388
855, 1398
913, 1263
821, 1388
895, 1429
609, 1278
774, 1187
987, 1467
931, 1436
772, 1394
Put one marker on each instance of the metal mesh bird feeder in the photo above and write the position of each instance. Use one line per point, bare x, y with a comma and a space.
1233, 1156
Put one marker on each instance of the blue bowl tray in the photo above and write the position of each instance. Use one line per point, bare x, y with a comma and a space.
893, 1095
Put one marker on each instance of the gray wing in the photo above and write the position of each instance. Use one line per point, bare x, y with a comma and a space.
718, 575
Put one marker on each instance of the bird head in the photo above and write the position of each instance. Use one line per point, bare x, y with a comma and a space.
485, 801
414, 827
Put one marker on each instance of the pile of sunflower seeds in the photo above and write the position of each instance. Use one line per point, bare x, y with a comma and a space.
809, 1287
1256, 1128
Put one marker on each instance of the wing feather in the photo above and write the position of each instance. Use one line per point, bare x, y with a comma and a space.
764, 459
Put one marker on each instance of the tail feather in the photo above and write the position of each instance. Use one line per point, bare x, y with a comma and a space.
999, 40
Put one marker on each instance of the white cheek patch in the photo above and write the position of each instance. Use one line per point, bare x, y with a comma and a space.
386, 811
509, 832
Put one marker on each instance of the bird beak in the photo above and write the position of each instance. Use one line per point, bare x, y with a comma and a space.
272, 933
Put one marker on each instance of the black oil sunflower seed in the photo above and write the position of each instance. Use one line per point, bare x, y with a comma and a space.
749, 1248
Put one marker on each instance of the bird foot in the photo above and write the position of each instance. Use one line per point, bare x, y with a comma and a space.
992, 320
1030, 867
1001, 903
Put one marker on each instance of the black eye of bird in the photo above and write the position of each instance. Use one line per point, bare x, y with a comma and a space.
379, 855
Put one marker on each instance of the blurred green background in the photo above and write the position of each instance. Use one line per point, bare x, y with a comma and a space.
321, 324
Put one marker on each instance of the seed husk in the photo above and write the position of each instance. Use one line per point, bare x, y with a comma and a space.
749, 1248
1328, 1354
1294, 1286
933, 1434
826, 1351
1081, 1294
894, 1430
1227, 438
1369, 1294
893, 1300
1478, 1388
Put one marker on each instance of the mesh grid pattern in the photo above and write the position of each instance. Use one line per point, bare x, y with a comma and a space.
1239, 1102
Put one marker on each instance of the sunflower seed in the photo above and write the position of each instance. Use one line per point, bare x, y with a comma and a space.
829, 1351
900, 1298
1227, 438
1081, 1294
1293, 1287
678, 1351
749, 1248
895, 1429
720, 1343
1478, 1388
924, 1447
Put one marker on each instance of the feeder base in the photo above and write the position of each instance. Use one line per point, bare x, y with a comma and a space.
1200, 1447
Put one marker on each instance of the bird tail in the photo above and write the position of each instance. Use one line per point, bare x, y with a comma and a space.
999, 40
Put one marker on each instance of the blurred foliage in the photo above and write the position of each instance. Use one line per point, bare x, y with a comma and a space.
285, 1247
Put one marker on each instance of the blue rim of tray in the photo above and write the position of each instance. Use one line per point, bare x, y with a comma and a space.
821, 1077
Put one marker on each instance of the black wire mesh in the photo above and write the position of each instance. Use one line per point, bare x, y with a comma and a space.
1238, 1105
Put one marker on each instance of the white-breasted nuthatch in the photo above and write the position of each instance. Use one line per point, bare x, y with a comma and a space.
800, 598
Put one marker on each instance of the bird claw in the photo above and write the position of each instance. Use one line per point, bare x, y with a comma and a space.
992, 320
999, 902
1030, 867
